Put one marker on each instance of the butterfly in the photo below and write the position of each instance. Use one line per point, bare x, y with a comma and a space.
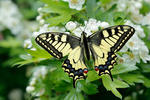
101, 46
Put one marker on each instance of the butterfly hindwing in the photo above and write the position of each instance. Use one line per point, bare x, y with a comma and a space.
74, 65
104, 45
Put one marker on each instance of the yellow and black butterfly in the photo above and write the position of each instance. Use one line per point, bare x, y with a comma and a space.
101, 46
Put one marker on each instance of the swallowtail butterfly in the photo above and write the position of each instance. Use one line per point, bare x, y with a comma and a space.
101, 46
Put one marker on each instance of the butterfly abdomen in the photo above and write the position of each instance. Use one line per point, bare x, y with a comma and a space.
85, 46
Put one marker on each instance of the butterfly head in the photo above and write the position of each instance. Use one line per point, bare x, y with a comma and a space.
84, 34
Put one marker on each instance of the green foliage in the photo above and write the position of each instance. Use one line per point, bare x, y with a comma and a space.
35, 55
145, 8
90, 8
113, 85
56, 83
62, 10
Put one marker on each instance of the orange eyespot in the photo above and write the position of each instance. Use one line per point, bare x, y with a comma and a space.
85, 71
96, 68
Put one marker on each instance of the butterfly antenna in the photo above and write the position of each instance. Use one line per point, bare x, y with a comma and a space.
74, 83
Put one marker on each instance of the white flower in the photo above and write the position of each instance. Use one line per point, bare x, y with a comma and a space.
39, 9
71, 25
42, 21
144, 54
10, 16
33, 81
132, 7
127, 59
27, 43
138, 48
75, 4
90, 27
104, 25
38, 18
148, 1
145, 20
137, 17
15, 94
30, 89
45, 28
133, 43
77, 31
40, 72
138, 29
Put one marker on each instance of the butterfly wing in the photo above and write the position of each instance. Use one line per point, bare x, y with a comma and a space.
60, 45
104, 45
57, 44
75, 65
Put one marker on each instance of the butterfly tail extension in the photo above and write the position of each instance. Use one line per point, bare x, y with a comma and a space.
110, 75
76, 74
106, 68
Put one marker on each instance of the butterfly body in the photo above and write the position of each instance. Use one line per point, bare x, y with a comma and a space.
101, 46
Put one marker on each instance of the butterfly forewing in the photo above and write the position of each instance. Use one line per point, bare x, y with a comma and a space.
105, 43
57, 44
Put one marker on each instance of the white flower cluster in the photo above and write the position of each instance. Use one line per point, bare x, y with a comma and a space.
10, 17
137, 47
39, 18
75, 4
38, 74
91, 26
133, 8
135, 44
45, 28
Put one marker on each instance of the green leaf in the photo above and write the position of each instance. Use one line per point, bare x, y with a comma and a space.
106, 16
119, 18
145, 8
112, 85
132, 78
123, 68
145, 68
74, 95
90, 8
39, 54
92, 76
58, 19
10, 42
61, 10
28, 61
105, 2
146, 82
88, 88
